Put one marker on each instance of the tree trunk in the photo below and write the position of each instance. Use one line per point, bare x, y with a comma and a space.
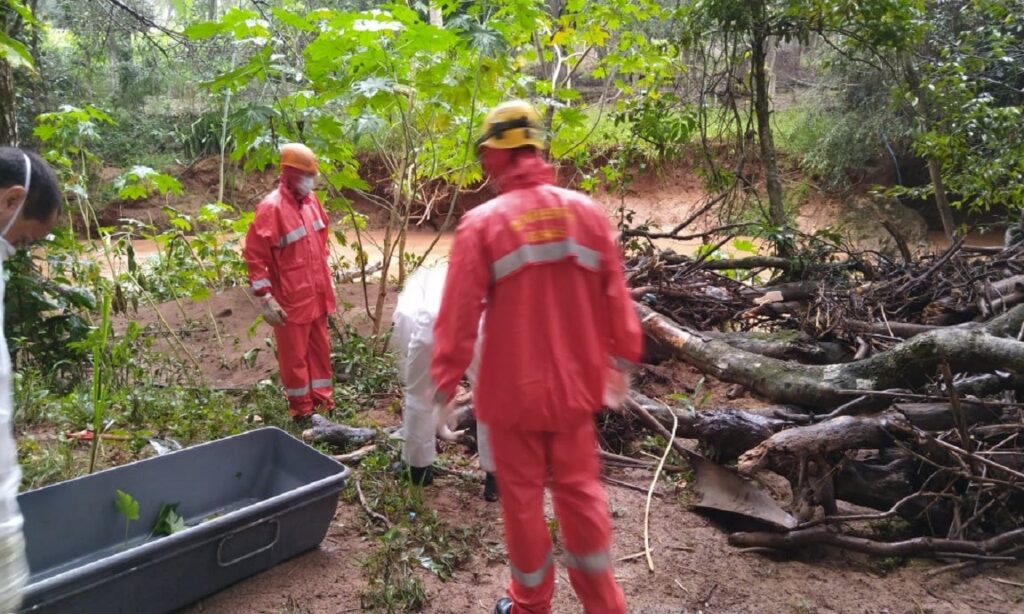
909, 364
8, 110
923, 108
435, 16
762, 111
723, 433
820, 440
821, 536
785, 345
772, 60
325, 431
941, 200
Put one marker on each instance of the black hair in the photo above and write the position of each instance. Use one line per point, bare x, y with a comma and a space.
44, 194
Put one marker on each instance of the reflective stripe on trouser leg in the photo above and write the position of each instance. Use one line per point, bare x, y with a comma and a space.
593, 563
521, 466
583, 519
533, 579
319, 360
292, 349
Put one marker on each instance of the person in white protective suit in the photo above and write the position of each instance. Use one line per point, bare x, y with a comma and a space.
423, 420
30, 205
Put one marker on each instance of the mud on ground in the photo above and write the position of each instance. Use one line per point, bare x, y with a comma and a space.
219, 332
695, 570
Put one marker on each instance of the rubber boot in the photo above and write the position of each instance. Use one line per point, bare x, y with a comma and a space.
504, 606
490, 488
421, 476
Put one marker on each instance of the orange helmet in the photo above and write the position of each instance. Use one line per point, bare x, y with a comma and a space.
297, 155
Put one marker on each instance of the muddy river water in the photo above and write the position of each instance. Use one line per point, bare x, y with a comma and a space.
419, 242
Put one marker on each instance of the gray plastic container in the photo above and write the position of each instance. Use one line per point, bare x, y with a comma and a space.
250, 501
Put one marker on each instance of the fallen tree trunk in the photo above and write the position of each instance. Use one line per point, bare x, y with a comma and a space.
785, 345
904, 330
940, 416
908, 364
819, 440
331, 433
764, 262
724, 433
986, 384
911, 547
877, 483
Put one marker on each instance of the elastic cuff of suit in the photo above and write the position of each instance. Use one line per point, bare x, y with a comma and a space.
621, 364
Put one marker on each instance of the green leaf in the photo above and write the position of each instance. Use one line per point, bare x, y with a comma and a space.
127, 505
168, 521
181, 224
165, 183
292, 19
14, 51
24, 11
204, 30
373, 86
745, 245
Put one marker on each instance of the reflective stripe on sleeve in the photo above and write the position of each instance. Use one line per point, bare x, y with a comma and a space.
292, 236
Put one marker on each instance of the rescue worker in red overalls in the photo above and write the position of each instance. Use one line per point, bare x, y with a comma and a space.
286, 250
560, 327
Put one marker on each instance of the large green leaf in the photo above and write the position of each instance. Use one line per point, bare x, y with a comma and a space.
126, 505
14, 52
204, 30
294, 20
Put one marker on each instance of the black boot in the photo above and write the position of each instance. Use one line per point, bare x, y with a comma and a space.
490, 488
504, 605
422, 476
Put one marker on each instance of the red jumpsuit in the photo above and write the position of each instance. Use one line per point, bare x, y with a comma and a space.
543, 263
286, 250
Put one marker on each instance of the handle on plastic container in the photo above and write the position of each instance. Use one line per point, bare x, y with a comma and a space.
224, 540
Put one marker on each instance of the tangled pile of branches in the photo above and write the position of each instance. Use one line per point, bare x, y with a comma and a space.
895, 387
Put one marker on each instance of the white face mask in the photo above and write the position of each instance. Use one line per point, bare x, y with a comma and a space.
305, 185
6, 249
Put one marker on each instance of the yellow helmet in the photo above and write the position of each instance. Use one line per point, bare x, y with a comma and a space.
510, 125
297, 155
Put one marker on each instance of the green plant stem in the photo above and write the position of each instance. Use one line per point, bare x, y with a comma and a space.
99, 351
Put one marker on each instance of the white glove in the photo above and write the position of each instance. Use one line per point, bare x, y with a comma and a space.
444, 430
272, 312
616, 387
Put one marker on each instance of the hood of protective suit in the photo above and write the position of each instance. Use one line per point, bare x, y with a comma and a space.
515, 169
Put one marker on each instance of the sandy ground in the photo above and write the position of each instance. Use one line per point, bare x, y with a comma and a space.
695, 571
218, 333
